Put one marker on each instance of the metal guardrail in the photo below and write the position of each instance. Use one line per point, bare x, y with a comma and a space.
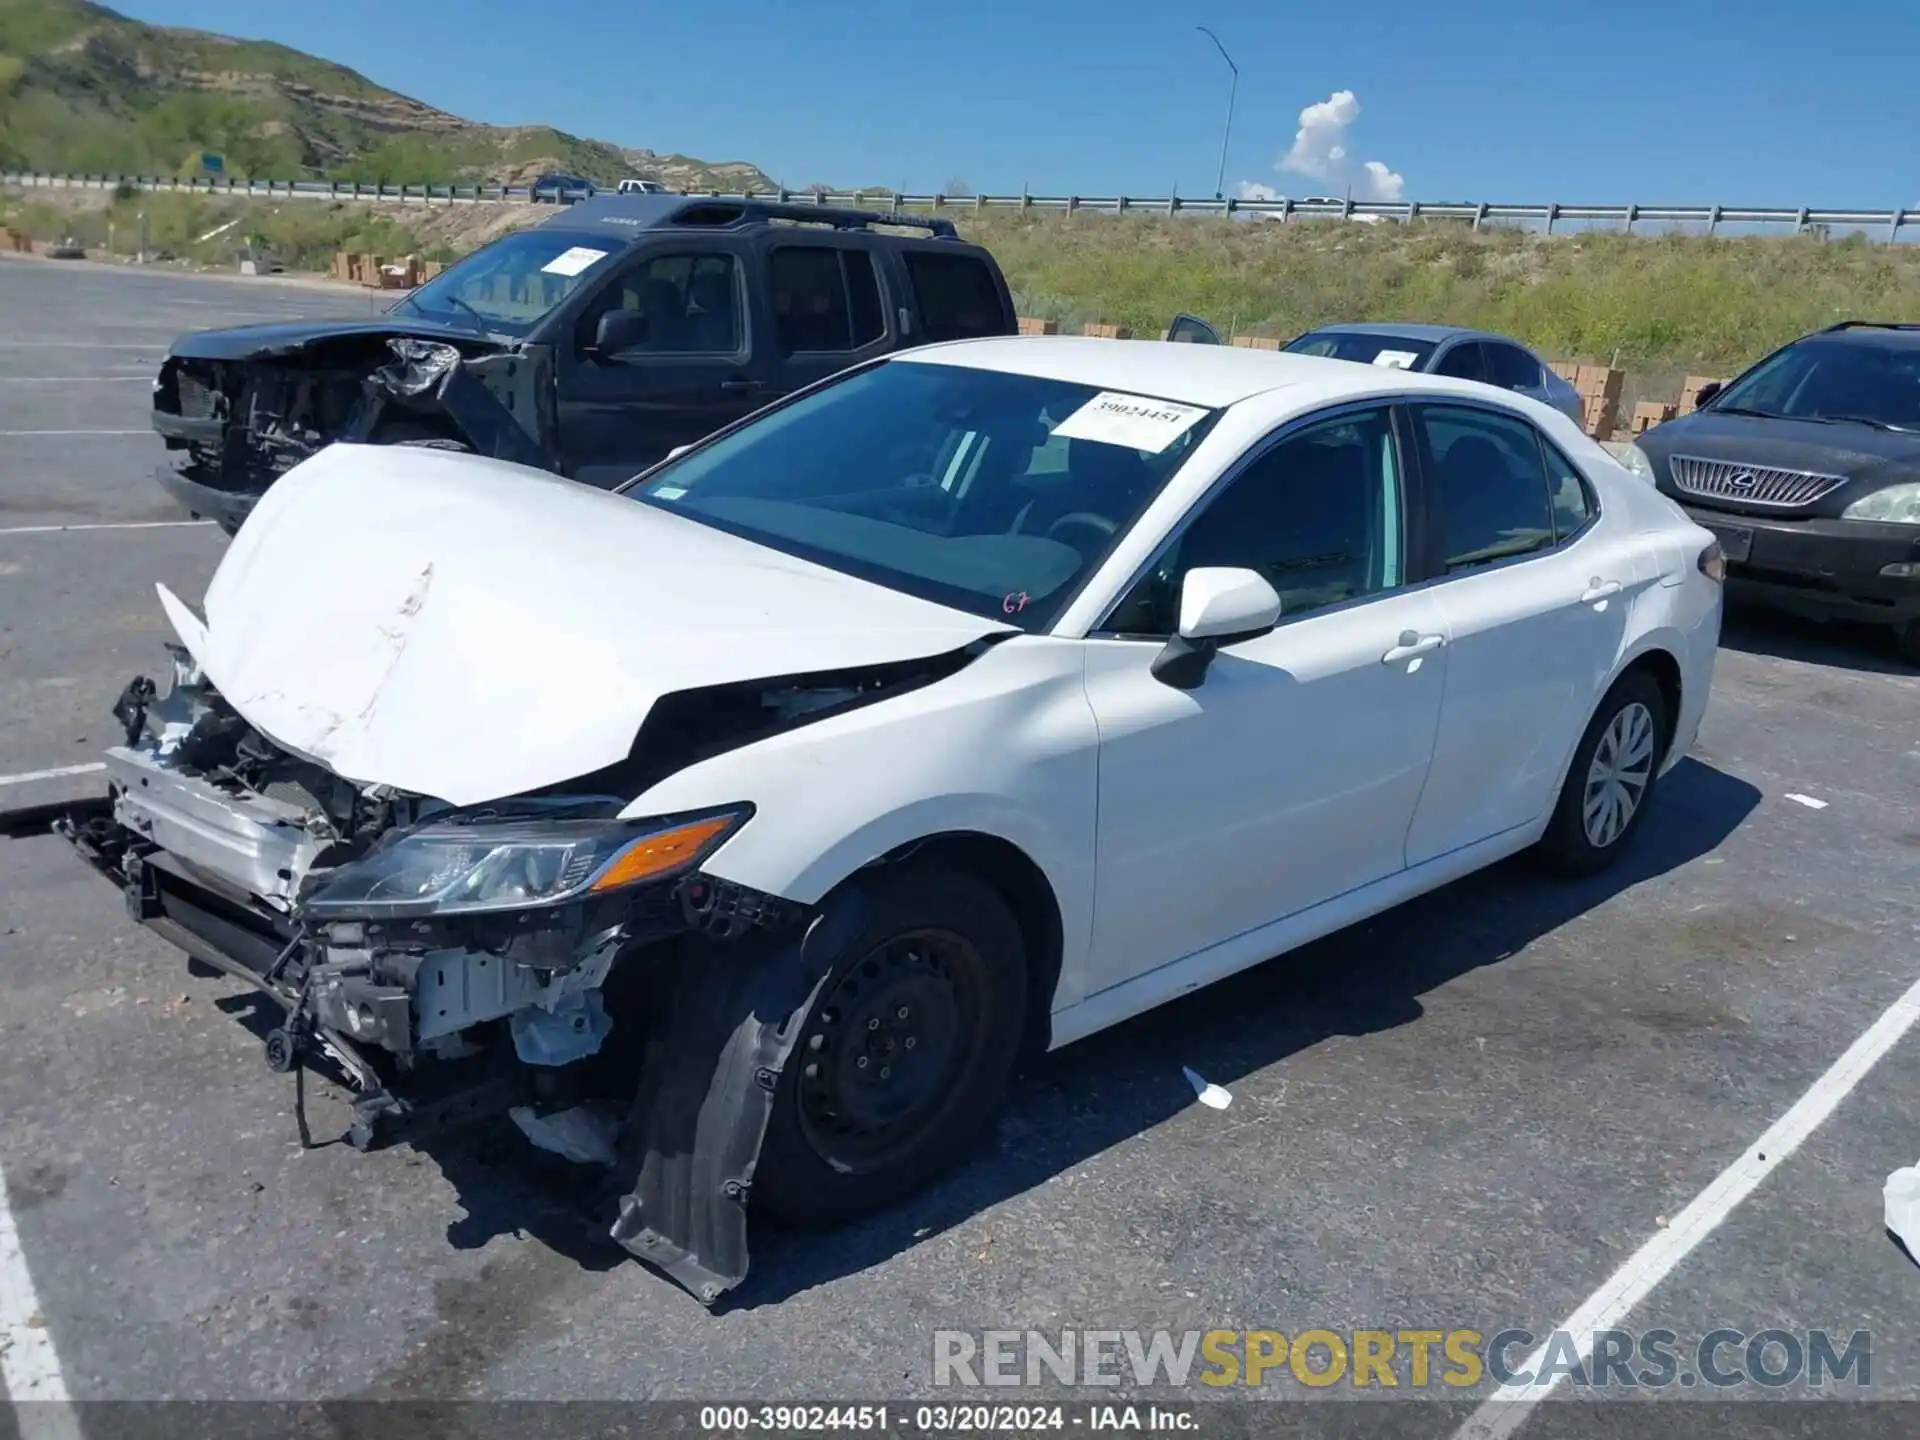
1711, 217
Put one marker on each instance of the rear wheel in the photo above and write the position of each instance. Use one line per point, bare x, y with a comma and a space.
1615, 769
1906, 642
905, 1056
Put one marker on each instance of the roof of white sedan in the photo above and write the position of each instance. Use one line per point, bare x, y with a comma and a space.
1209, 375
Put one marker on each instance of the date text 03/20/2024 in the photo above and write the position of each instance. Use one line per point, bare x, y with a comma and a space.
941, 1419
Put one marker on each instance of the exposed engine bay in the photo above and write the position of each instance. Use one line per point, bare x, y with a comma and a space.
235, 424
636, 1027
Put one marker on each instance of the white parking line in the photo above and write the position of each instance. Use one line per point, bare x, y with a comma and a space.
53, 774
1508, 1407
29, 1368
104, 525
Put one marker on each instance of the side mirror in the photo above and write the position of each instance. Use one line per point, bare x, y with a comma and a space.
620, 330
1218, 606
1707, 392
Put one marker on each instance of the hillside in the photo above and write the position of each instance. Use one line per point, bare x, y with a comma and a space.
83, 89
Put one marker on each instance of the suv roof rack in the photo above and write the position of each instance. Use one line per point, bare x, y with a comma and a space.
728, 211
1870, 325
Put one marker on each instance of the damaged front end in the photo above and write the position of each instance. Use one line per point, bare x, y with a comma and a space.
538, 958
235, 421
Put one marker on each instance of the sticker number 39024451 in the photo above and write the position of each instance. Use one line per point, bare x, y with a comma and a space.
1136, 421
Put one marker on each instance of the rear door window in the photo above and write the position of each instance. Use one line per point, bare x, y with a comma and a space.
1462, 362
825, 299
1510, 367
957, 295
1490, 486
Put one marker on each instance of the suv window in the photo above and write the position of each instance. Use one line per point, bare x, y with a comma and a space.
691, 301
1510, 367
824, 298
1489, 484
1318, 515
1462, 362
957, 296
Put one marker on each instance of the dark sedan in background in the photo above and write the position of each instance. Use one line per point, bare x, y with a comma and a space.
1807, 467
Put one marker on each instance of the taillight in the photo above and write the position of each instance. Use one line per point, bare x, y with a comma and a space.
1713, 563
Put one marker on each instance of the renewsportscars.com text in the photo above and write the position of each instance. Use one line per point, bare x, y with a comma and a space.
1392, 1359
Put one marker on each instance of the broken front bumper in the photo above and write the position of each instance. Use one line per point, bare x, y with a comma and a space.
439, 1023
206, 502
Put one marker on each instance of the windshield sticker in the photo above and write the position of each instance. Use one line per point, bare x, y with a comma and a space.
1396, 359
668, 492
1135, 421
572, 262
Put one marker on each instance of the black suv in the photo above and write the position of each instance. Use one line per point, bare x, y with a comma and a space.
1807, 467
592, 345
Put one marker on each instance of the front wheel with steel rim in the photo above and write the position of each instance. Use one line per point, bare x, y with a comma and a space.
904, 1057
1611, 780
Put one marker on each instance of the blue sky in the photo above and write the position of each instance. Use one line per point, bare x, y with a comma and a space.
1765, 102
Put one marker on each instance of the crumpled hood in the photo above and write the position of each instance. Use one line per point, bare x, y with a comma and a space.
288, 337
468, 629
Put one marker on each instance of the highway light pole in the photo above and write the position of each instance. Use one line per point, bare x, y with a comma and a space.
1220, 183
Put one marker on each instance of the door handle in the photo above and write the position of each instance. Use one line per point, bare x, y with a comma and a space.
1412, 645
1597, 591
739, 387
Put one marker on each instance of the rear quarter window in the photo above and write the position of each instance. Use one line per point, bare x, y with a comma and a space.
957, 295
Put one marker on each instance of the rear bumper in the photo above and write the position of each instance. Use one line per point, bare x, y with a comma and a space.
1823, 569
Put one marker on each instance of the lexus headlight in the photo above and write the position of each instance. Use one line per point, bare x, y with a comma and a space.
1635, 459
451, 868
1895, 505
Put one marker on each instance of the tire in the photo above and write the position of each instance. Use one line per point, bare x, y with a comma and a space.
945, 949
1906, 642
1572, 846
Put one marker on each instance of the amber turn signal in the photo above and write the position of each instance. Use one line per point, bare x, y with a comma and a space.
662, 852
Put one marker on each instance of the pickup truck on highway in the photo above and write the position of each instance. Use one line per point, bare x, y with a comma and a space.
591, 345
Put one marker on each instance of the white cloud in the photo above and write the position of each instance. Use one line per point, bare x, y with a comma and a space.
1254, 190
1320, 151
1319, 147
1382, 183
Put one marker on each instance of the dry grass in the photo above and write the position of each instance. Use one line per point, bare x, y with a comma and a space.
1663, 305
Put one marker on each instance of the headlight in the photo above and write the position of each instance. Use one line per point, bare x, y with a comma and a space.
446, 868
1635, 459
1896, 505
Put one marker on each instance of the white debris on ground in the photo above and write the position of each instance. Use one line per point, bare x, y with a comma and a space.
1902, 1194
1806, 800
1214, 1097
580, 1134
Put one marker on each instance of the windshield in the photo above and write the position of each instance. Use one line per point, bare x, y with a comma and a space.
1393, 350
1831, 379
508, 286
992, 493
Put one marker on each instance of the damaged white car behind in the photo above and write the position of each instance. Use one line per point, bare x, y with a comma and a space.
737, 832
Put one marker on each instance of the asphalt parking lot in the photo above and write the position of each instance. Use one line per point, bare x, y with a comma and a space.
1469, 1113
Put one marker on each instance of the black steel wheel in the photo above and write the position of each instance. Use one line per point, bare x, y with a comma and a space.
904, 1058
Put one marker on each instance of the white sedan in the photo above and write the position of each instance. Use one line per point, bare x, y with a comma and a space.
736, 831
